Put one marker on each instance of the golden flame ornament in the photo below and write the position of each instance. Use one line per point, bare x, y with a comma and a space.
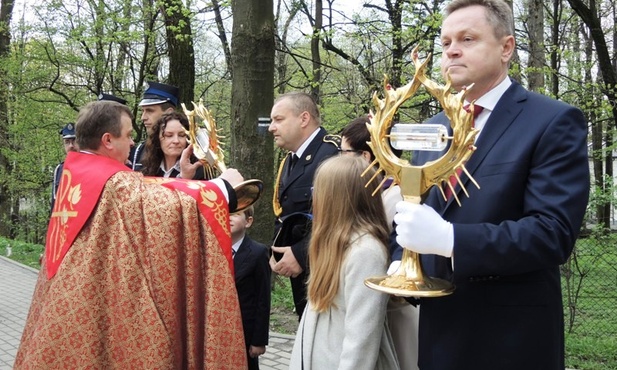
203, 135
415, 181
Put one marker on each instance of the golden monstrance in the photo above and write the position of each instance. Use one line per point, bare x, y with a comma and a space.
415, 181
203, 134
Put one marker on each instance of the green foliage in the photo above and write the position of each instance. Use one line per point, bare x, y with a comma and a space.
591, 353
25, 253
281, 292
590, 303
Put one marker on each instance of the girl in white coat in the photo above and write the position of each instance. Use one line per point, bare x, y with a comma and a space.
344, 324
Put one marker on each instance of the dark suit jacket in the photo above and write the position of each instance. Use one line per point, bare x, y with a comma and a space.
510, 236
295, 195
252, 275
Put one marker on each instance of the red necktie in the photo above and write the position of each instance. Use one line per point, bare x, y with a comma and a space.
453, 179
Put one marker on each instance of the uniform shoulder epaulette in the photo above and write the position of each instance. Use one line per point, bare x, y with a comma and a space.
332, 139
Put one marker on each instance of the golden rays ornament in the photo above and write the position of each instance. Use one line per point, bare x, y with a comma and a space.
416, 181
203, 134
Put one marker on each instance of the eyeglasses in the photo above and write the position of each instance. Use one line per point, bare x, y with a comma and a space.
343, 151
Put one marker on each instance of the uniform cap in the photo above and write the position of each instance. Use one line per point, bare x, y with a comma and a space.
68, 131
110, 97
159, 93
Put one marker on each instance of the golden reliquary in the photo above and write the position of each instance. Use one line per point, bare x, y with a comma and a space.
203, 135
415, 181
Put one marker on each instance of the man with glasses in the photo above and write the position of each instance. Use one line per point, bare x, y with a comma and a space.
296, 126
68, 140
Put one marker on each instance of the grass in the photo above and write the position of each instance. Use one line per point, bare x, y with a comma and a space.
589, 279
25, 253
283, 318
591, 353
591, 344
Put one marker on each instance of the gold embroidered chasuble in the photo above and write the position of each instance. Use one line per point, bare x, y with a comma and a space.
146, 284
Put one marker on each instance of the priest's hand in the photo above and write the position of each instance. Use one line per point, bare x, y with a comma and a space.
288, 265
232, 176
188, 169
420, 229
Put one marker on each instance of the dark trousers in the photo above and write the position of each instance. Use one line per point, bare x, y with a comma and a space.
298, 288
253, 362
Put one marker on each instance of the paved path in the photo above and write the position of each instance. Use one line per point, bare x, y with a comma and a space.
16, 287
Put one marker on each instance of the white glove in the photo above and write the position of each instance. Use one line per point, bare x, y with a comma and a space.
420, 229
393, 267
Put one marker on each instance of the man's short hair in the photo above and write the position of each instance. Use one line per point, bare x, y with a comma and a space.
302, 102
97, 118
498, 14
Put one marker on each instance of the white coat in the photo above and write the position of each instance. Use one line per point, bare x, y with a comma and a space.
352, 334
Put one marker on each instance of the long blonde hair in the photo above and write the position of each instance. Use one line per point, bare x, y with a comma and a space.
342, 205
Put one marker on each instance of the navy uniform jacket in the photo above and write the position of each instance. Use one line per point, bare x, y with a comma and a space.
295, 195
252, 275
199, 173
135, 156
56, 183
510, 236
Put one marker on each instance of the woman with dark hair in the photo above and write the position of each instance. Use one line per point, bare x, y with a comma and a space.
164, 149
354, 140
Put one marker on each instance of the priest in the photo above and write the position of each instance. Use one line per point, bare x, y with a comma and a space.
137, 272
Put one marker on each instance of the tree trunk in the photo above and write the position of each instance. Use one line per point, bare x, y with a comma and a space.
6, 214
315, 55
148, 62
516, 59
555, 56
252, 149
280, 45
180, 48
589, 15
597, 133
535, 26
395, 13
116, 79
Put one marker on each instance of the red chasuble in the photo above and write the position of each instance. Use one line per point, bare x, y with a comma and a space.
79, 192
140, 279
77, 195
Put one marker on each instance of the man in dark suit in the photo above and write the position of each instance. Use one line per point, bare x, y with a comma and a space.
296, 126
252, 275
503, 246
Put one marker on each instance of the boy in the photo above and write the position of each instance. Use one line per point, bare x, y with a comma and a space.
252, 275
